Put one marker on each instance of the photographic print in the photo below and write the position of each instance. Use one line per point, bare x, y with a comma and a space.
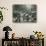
24, 13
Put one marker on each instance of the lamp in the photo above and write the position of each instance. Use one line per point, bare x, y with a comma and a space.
7, 28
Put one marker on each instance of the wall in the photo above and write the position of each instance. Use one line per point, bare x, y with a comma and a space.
23, 29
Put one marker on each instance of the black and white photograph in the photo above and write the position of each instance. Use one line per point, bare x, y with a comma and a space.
24, 13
